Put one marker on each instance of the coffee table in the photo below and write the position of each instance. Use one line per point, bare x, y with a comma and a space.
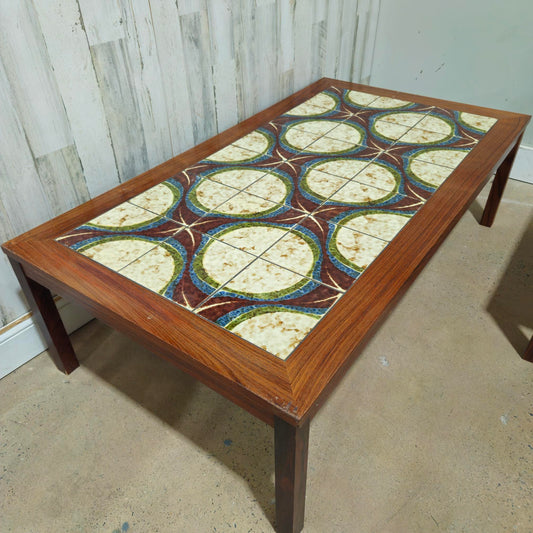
261, 261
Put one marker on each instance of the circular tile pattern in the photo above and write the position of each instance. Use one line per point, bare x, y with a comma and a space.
301, 135
372, 183
275, 329
230, 253
441, 130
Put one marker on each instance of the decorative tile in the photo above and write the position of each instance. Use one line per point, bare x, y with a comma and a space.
466, 125
121, 222
305, 249
183, 198
260, 147
276, 325
284, 186
353, 250
277, 329
328, 104
423, 170
334, 211
202, 266
317, 105
253, 235
266, 234
115, 251
475, 122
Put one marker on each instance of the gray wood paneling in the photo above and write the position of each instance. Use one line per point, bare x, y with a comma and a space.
94, 92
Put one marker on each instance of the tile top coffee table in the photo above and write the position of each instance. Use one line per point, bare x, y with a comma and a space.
262, 260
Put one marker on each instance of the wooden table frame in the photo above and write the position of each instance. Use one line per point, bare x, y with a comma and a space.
284, 393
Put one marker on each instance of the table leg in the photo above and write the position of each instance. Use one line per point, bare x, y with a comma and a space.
528, 354
291, 445
498, 186
47, 316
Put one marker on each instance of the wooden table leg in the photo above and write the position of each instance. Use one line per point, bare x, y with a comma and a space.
528, 354
47, 316
498, 186
291, 445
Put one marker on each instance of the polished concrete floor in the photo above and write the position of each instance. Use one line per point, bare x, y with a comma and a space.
431, 429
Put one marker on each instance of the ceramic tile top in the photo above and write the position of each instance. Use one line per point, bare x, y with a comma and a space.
265, 235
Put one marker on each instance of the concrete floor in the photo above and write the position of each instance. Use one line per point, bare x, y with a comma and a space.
431, 430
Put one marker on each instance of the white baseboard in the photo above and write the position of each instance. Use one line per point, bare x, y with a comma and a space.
523, 166
23, 341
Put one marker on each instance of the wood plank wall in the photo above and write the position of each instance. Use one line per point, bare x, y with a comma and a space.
94, 92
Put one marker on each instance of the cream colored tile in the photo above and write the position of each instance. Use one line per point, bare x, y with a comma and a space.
277, 332
118, 252
210, 194
221, 262
323, 185
158, 199
378, 176
237, 178
477, 121
361, 98
384, 102
403, 119
317, 127
255, 141
123, 216
389, 130
346, 133
384, 226
298, 138
417, 136
344, 168
270, 187
244, 204
436, 124
323, 100
446, 157
306, 109
358, 249
433, 175
153, 270
354, 192
254, 238
262, 278
232, 154
294, 253
328, 145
